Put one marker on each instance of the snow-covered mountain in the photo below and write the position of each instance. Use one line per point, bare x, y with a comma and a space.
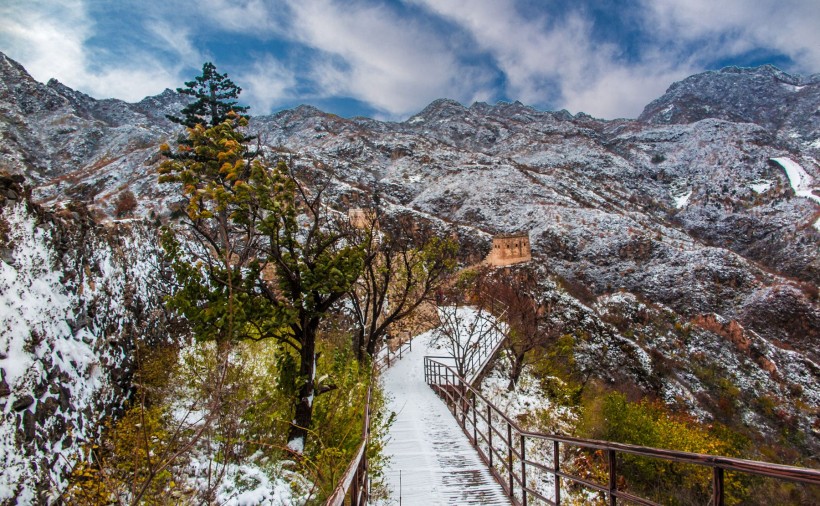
705, 207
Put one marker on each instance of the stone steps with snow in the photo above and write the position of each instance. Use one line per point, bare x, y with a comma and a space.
431, 460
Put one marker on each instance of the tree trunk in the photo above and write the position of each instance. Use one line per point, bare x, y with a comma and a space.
297, 436
517, 368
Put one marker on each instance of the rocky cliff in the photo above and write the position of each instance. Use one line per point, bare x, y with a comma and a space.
75, 298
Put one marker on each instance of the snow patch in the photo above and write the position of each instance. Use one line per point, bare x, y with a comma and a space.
297, 445
800, 180
761, 185
682, 200
792, 87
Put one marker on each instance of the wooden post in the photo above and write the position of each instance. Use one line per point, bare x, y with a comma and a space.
556, 467
717, 486
613, 478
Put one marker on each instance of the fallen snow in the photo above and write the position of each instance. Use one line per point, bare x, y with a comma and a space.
761, 185
254, 482
52, 330
682, 200
430, 460
800, 180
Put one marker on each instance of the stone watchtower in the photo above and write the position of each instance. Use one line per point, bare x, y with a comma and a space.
361, 218
510, 249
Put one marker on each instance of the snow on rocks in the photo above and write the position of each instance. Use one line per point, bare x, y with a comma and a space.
682, 200
255, 482
67, 293
760, 186
799, 179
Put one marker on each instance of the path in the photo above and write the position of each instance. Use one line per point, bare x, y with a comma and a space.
437, 463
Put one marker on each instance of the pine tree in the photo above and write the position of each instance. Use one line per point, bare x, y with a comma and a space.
247, 219
216, 95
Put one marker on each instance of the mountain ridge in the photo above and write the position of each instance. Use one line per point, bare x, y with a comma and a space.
687, 209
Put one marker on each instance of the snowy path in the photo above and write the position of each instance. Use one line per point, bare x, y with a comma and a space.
437, 463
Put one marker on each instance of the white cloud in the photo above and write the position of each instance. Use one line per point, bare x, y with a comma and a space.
50, 39
47, 39
266, 84
558, 63
259, 17
393, 59
372, 54
732, 27
177, 38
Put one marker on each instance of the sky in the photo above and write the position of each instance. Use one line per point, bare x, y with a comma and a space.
389, 59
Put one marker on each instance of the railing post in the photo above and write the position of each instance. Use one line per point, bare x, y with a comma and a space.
475, 424
426, 376
556, 468
717, 486
490, 433
510, 457
524, 471
613, 478
354, 487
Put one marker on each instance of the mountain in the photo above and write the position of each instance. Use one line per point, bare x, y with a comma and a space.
783, 104
686, 240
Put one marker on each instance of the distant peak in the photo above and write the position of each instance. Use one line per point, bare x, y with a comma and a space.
764, 70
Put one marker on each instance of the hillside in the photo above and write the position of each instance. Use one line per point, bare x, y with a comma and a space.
683, 243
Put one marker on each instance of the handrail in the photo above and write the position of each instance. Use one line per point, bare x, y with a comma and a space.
502, 445
382, 359
354, 482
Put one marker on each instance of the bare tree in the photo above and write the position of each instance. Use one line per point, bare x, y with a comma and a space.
405, 265
528, 315
466, 333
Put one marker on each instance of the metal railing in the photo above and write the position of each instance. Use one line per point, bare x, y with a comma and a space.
508, 451
387, 357
477, 360
354, 486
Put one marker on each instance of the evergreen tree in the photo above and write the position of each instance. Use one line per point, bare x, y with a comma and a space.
216, 95
266, 260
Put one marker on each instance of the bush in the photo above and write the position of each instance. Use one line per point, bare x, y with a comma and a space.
611, 417
125, 204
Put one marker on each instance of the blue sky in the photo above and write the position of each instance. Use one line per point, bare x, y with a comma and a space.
390, 59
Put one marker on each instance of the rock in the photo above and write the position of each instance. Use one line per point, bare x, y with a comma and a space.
5, 390
22, 403
65, 398
46, 409
29, 426
40, 389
